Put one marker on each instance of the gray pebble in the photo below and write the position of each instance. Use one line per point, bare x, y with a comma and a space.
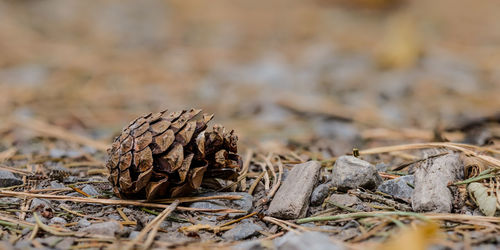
399, 187
344, 200
306, 241
56, 184
108, 228
33, 220
8, 179
245, 203
133, 234
350, 172
58, 220
242, 231
84, 223
319, 194
90, 190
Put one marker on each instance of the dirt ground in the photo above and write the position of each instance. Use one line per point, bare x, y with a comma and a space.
297, 81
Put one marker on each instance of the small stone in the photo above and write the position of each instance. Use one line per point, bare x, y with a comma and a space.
306, 241
133, 234
254, 245
6, 245
71, 179
39, 204
350, 172
114, 216
432, 193
324, 227
242, 231
58, 220
66, 243
8, 179
23, 244
57, 153
382, 167
319, 194
108, 228
56, 184
293, 197
90, 190
49, 241
33, 220
146, 219
245, 203
486, 246
26, 230
399, 187
127, 210
10, 200
347, 234
345, 200
84, 223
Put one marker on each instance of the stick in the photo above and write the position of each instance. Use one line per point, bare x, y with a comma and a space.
360, 215
112, 202
153, 227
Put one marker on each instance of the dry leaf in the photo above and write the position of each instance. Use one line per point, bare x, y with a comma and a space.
400, 47
486, 202
413, 239
472, 165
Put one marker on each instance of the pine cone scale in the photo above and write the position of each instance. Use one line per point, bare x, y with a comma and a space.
160, 127
143, 160
142, 141
163, 141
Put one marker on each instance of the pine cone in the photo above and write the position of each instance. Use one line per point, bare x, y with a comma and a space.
170, 154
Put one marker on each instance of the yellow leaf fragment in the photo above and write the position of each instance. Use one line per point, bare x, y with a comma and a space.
400, 47
413, 239
486, 202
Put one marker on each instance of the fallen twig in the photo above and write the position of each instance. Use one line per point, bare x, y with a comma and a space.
7, 154
378, 198
113, 202
361, 215
153, 227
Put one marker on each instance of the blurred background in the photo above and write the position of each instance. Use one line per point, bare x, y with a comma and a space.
276, 71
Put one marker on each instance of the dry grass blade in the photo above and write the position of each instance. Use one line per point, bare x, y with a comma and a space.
16, 222
60, 133
195, 199
79, 191
256, 182
15, 170
278, 182
50, 229
112, 202
244, 169
466, 149
7, 154
400, 134
462, 217
153, 227
266, 175
239, 219
34, 232
279, 223
85, 164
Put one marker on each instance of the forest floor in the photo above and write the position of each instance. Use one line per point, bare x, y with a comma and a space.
400, 86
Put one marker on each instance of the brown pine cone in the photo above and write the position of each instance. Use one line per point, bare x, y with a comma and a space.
170, 154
